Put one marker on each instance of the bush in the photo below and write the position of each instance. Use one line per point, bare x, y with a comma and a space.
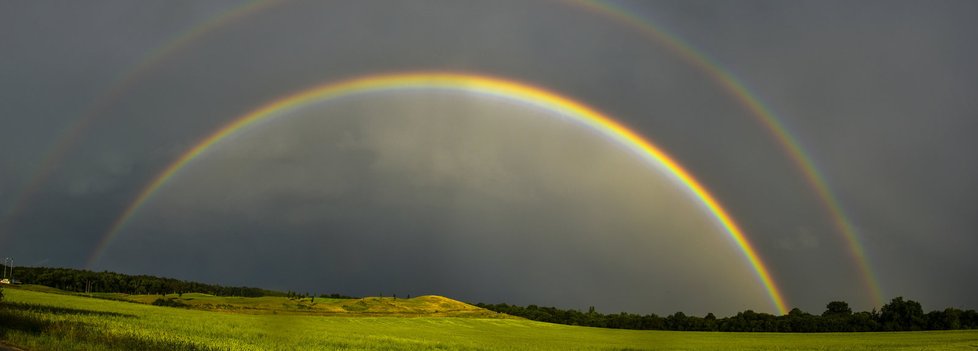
169, 303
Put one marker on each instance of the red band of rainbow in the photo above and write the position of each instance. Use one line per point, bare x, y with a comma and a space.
482, 85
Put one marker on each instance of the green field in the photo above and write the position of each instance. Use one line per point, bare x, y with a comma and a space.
36, 320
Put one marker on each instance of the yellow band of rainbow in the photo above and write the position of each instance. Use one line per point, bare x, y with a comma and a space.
465, 82
765, 116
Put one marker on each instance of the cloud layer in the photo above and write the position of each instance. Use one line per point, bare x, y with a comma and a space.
486, 200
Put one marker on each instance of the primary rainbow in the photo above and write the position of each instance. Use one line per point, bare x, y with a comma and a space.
765, 116
464, 82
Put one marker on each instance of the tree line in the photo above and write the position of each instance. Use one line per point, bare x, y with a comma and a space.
898, 315
77, 280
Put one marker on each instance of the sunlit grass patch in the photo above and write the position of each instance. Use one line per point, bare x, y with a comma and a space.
45, 321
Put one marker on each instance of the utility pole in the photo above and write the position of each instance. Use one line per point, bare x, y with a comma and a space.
8, 269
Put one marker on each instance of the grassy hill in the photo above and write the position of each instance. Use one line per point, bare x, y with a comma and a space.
54, 320
428, 306
420, 306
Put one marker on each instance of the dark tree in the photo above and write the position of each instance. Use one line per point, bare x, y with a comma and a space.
902, 314
837, 308
949, 318
78, 280
677, 321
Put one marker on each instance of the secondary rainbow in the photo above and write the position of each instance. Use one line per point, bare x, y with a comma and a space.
765, 116
71, 134
647, 27
483, 85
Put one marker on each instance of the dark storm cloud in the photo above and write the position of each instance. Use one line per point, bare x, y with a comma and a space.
879, 93
474, 198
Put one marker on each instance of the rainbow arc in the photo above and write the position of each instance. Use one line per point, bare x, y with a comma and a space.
478, 84
765, 116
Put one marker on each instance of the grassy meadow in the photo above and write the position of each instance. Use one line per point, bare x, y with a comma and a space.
53, 320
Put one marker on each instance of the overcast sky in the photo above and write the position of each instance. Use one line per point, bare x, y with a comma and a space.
485, 200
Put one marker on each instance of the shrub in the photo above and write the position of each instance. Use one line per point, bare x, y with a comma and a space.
169, 303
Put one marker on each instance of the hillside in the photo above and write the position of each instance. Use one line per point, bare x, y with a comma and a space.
44, 321
420, 306
428, 306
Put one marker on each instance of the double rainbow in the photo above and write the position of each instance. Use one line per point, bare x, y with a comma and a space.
615, 12
482, 85
765, 116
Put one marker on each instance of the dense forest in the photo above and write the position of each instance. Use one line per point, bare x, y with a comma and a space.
898, 315
87, 281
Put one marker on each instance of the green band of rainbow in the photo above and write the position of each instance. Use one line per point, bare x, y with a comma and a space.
468, 83
765, 117
68, 138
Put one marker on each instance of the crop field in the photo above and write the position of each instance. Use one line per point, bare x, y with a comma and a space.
39, 320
